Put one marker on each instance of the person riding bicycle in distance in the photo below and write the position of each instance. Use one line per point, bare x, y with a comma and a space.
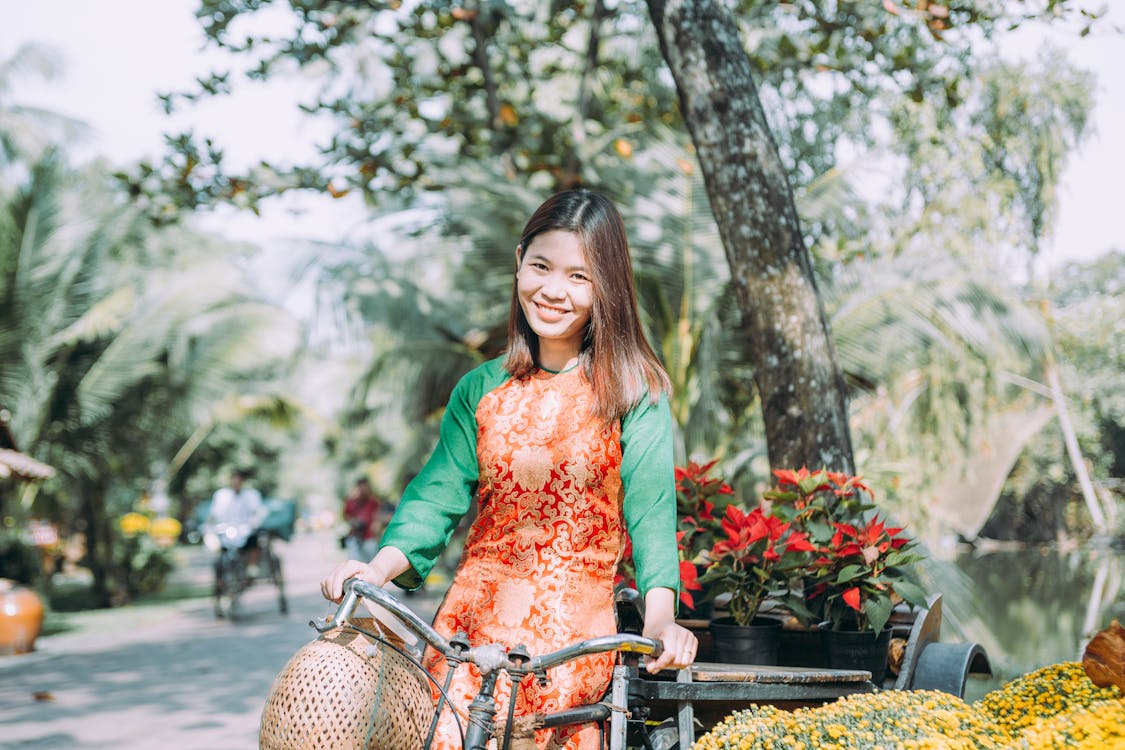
566, 442
238, 505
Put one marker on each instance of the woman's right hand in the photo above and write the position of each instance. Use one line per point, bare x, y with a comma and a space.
388, 564
332, 586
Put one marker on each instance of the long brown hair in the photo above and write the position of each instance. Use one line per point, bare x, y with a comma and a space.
615, 355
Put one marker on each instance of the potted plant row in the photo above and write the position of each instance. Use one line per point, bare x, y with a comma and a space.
810, 560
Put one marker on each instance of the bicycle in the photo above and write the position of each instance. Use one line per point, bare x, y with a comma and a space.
232, 572
622, 719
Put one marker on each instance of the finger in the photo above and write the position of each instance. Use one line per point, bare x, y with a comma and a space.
663, 662
683, 655
334, 583
326, 587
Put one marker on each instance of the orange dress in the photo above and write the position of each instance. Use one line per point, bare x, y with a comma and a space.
539, 561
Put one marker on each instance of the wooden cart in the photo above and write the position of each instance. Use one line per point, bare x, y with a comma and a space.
705, 693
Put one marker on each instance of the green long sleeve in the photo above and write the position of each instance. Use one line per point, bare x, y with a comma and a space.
649, 482
435, 500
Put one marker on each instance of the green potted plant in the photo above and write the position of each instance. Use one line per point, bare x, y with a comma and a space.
860, 575
756, 553
811, 502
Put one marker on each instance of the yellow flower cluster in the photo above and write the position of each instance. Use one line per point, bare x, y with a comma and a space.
134, 523
918, 720
1053, 707
163, 530
1099, 726
1041, 694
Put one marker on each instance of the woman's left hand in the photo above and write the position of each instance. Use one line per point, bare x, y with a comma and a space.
680, 646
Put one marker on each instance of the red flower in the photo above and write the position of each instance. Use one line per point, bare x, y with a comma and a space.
799, 542
694, 472
689, 581
846, 485
861, 568
790, 477
751, 559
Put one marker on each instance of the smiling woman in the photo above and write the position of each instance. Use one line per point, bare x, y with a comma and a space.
566, 445
612, 351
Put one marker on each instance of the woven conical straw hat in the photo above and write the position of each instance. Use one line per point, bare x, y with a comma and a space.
345, 691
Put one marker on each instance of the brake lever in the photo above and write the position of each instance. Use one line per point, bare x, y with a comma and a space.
343, 612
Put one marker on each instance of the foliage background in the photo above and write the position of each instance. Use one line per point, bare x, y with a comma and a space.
939, 291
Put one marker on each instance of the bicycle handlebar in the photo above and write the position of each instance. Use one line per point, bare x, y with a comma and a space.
484, 656
354, 589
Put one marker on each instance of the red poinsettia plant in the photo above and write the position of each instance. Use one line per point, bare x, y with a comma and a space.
756, 553
859, 569
814, 500
861, 574
699, 497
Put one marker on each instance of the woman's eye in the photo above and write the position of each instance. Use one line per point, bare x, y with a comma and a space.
580, 277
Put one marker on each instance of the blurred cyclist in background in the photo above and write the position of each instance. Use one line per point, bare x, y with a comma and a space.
366, 515
240, 508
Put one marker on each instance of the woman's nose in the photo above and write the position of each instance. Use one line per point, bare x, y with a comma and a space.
554, 286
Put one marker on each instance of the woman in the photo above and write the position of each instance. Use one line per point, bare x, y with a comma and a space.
567, 442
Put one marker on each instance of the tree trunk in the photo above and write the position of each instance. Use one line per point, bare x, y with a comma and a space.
804, 402
99, 542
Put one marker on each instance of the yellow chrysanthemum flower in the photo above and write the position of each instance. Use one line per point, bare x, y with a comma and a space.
1042, 694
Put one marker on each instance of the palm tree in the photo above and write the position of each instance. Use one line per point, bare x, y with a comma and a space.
27, 132
930, 345
117, 340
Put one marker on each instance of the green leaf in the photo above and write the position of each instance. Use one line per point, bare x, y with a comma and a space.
911, 592
878, 611
850, 572
809, 484
819, 529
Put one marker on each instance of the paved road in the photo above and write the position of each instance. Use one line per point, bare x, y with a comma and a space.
167, 676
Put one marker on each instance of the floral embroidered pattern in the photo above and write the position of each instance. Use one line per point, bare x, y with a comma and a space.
539, 561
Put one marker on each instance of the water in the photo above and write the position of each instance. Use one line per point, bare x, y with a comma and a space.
1028, 607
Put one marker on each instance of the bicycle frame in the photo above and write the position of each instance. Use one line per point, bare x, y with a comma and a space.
493, 658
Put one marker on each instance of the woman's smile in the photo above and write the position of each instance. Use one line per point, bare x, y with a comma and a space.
550, 313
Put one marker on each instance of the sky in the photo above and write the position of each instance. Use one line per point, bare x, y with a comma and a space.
119, 53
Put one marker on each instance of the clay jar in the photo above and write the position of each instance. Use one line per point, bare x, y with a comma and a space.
21, 618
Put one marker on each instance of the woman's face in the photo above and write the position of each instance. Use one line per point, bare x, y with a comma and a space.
556, 293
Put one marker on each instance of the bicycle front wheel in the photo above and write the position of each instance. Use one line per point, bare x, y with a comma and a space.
229, 585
